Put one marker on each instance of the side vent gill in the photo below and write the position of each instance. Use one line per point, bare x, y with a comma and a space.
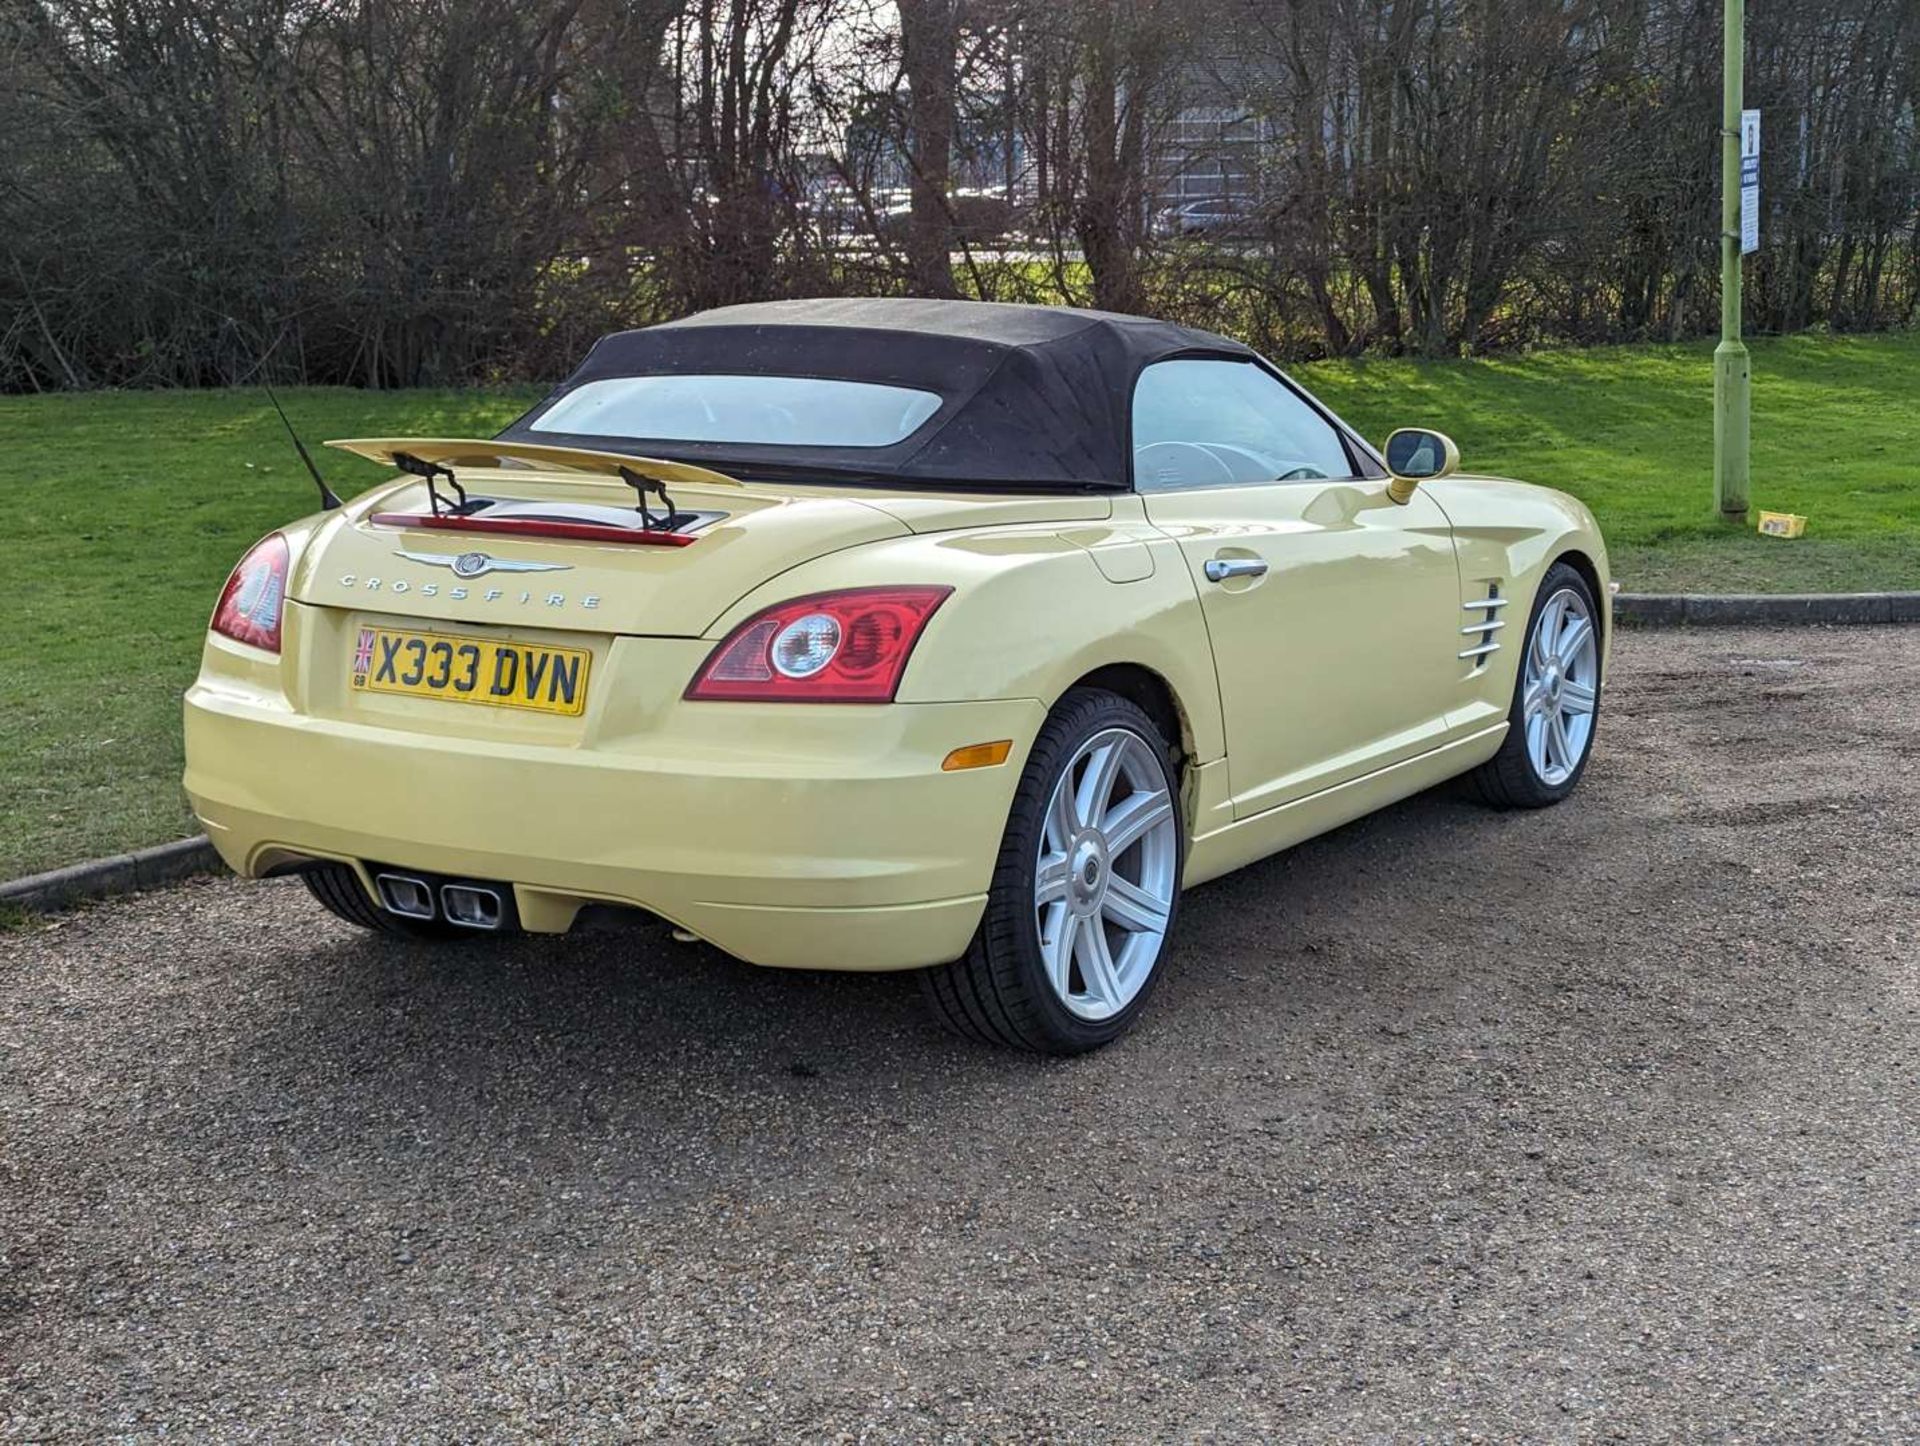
1484, 633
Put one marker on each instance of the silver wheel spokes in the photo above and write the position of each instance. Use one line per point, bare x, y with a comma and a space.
1105, 879
1561, 687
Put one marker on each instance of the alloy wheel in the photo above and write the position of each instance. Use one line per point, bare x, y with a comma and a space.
1106, 876
1561, 688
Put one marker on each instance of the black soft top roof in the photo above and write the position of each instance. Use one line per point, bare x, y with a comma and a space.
1036, 396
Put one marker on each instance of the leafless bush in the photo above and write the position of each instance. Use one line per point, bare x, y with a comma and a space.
390, 194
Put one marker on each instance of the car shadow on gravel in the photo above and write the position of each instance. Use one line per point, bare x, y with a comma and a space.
633, 1064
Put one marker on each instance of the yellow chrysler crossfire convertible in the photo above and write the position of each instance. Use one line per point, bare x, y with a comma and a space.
888, 635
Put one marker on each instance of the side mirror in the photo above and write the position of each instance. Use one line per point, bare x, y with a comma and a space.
1415, 456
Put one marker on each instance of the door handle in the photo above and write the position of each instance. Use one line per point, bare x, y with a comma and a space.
1219, 569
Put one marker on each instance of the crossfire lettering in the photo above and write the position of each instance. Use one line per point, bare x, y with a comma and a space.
400, 586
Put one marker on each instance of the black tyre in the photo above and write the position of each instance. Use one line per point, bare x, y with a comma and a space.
1085, 891
340, 892
1556, 699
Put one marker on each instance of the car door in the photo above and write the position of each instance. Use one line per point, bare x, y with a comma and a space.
1333, 611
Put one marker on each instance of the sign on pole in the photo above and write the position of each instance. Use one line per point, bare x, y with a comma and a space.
1739, 234
1749, 182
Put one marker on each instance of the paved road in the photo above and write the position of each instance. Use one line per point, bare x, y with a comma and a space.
1599, 1123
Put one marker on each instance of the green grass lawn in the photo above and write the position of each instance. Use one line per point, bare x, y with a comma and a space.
1629, 430
120, 514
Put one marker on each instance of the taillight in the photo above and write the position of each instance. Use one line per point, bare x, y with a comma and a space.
249, 610
832, 647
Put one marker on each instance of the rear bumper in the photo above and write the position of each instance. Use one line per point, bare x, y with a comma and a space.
809, 837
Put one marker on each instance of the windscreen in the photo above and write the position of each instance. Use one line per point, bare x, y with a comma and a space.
768, 410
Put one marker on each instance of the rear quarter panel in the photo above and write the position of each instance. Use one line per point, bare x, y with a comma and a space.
1034, 609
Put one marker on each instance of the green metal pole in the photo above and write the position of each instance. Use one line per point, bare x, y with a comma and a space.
1732, 365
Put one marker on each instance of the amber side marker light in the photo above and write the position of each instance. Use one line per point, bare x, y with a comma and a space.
978, 755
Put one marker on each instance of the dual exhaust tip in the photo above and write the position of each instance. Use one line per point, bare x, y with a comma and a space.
470, 905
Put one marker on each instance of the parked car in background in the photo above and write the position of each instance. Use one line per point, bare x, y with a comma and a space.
888, 635
1218, 216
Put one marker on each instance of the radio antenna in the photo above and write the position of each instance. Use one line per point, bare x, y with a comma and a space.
329, 499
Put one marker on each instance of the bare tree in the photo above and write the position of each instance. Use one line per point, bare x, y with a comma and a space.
929, 42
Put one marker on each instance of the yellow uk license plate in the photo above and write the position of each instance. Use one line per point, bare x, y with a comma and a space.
490, 671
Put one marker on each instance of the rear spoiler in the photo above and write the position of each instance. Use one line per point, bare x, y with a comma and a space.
471, 452
429, 457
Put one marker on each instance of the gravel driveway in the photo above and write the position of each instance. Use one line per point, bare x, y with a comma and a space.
1597, 1123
